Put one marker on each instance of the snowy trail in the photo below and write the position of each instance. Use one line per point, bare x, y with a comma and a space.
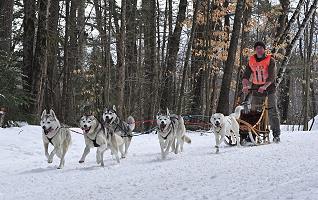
277, 171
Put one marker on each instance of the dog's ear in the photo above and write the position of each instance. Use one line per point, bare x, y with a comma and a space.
52, 113
114, 108
168, 113
43, 113
158, 115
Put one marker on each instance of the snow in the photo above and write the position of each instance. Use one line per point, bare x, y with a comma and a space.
277, 171
315, 126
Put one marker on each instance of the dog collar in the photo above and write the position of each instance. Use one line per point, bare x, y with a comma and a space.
165, 137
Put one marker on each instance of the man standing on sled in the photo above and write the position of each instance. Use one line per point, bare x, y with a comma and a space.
261, 70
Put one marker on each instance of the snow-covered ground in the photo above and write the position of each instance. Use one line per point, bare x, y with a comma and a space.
277, 171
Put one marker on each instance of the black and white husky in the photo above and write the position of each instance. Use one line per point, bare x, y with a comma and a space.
171, 133
96, 135
54, 134
119, 127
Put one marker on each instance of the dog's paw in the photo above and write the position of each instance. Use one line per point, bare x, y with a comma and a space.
59, 167
217, 149
49, 160
81, 161
98, 159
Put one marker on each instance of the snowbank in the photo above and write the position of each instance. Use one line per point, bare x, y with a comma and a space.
315, 126
277, 171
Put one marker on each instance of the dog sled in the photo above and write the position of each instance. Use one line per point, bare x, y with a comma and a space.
254, 124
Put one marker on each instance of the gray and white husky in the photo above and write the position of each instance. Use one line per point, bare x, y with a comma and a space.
171, 133
96, 135
53, 133
119, 127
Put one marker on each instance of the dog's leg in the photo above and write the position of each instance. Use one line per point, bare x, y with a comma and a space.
115, 152
50, 159
177, 143
101, 151
127, 144
173, 146
181, 143
114, 147
217, 142
238, 138
46, 151
85, 153
62, 161
166, 152
121, 150
98, 156
161, 142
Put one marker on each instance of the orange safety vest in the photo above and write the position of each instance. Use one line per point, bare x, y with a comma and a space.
259, 69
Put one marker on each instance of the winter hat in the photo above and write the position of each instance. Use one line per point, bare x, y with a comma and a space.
259, 43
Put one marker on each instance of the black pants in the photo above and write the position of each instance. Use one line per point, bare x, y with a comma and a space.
274, 117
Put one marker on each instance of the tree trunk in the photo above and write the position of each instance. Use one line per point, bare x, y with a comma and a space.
188, 56
28, 43
39, 76
6, 17
131, 54
66, 70
150, 60
224, 104
52, 89
173, 49
121, 59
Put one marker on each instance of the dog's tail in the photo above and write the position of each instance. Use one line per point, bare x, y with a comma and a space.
186, 139
237, 112
131, 123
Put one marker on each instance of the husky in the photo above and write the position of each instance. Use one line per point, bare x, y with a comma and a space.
96, 135
226, 126
171, 133
53, 133
119, 127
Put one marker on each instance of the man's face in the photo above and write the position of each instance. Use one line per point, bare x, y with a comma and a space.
259, 50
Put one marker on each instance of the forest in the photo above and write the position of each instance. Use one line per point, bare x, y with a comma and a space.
78, 56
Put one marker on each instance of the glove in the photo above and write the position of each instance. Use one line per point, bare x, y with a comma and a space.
262, 89
245, 86
245, 89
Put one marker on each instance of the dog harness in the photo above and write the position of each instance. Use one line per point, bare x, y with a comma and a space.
259, 69
121, 126
172, 127
95, 143
50, 139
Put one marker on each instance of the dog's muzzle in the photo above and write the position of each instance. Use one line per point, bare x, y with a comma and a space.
108, 119
162, 126
217, 124
46, 131
86, 129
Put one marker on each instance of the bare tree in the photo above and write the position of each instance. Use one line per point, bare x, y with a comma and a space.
224, 104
